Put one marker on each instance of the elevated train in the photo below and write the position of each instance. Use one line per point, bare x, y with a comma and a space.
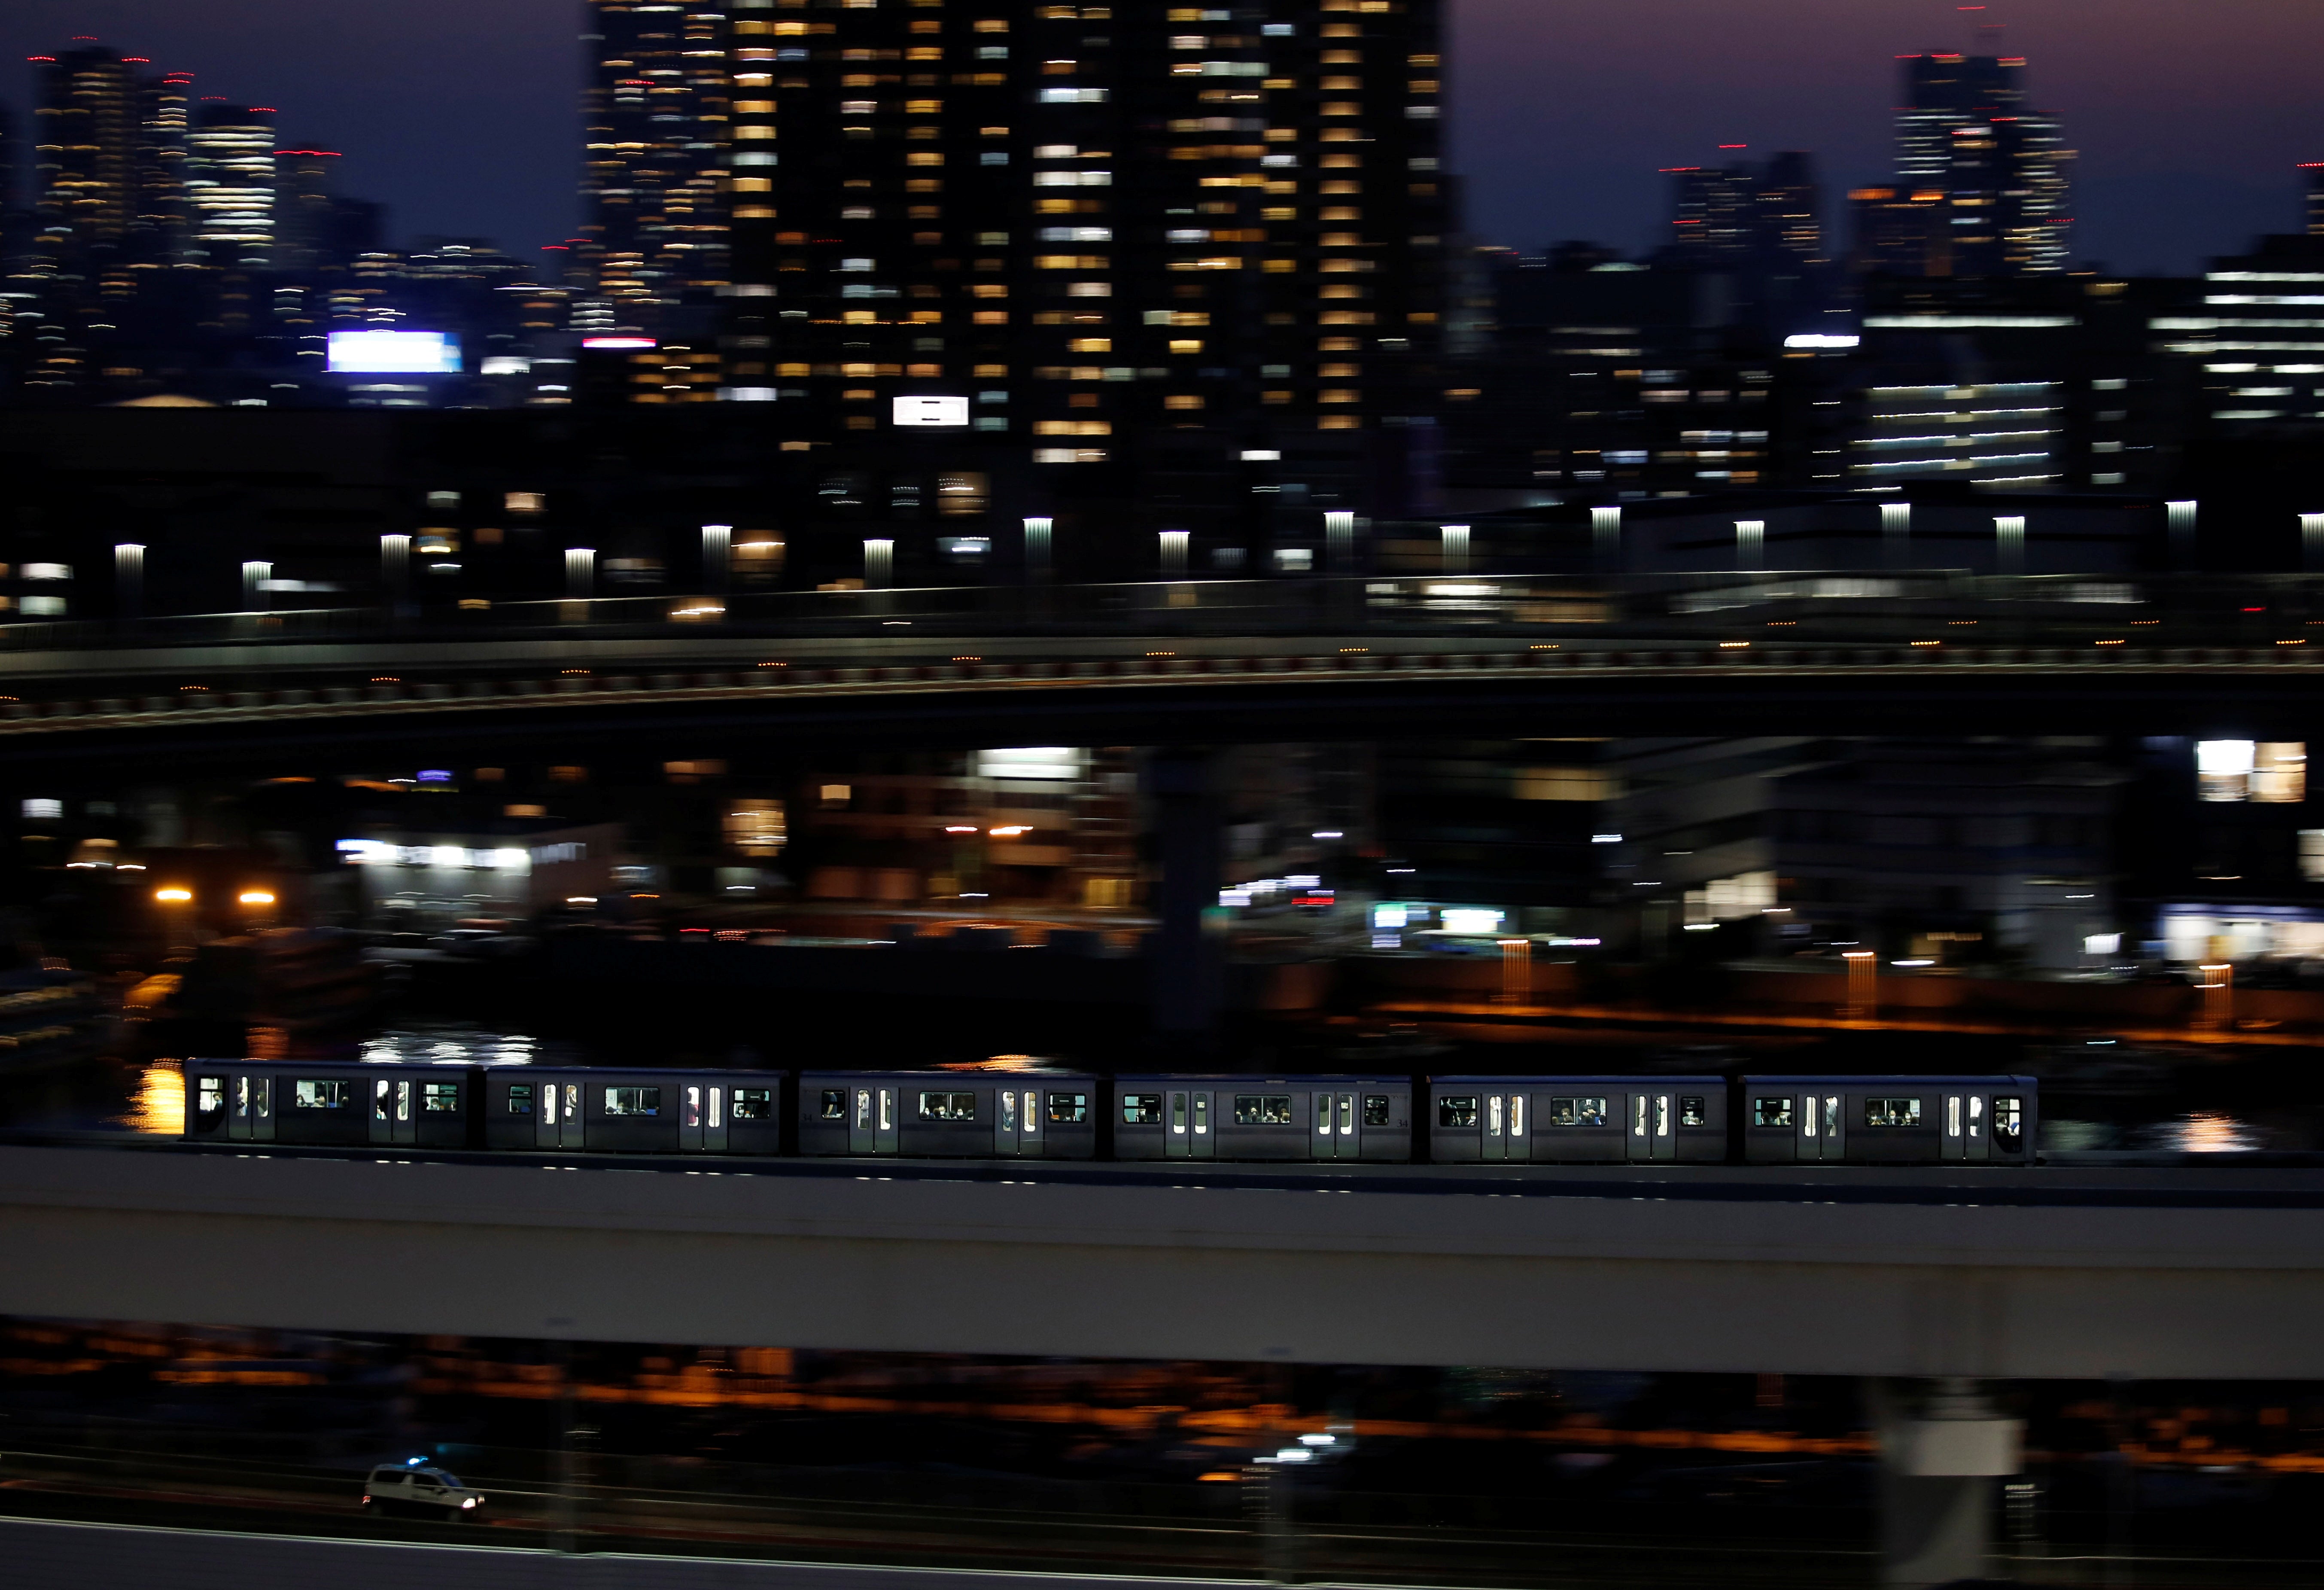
1016, 1113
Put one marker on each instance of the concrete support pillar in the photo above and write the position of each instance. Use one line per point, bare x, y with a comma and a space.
1189, 961
1943, 1448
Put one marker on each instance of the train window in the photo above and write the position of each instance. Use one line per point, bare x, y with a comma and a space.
438, 1097
210, 1101
1009, 1109
1456, 1109
693, 1114
309, 1094
1892, 1112
1577, 1111
519, 1098
1771, 1112
1074, 1106
633, 1101
573, 1101
242, 1096
403, 1101
1376, 1107
1691, 1110
832, 1106
947, 1106
2008, 1120
1262, 1109
1141, 1109
757, 1104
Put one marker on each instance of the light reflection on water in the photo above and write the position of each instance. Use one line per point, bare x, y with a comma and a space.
2204, 1133
158, 1104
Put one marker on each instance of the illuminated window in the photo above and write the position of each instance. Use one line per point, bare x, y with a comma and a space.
2269, 770
1565, 783
633, 1101
832, 1106
1892, 1112
440, 1097
1141, 1109
311, 1094
757, 1104
1771, 1112
1459, 1109
837, 797
1262, 1109
1577, 1111
947, 1106
1069, 1107
2008, 1121
1690, 1111
519, 1098
757, 828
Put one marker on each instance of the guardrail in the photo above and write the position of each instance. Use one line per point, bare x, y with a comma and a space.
1863, 605
782, 681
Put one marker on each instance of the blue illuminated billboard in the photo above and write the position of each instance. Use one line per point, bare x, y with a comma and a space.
394, 353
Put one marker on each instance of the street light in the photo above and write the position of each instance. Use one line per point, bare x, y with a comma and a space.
173, 895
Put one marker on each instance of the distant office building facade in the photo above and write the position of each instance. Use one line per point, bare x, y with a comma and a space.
658, 129
1059, 229
2003, 172
108, 145
230, 184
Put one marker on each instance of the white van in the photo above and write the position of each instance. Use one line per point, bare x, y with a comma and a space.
415, 1487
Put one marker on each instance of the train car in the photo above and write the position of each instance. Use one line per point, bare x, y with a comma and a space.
1577, 1120
605, 1110
323, 1105
971, 1114
1890, 1120
1263, 1118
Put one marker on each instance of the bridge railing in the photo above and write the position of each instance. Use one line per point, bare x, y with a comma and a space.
1842, 606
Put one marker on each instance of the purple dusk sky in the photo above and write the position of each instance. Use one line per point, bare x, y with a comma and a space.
2190, 114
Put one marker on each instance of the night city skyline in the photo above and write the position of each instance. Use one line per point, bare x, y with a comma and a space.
1558, 118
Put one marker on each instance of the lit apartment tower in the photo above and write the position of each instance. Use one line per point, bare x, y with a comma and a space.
2311, 184
1748, 213
1080, 229
653, 174
1963, 129
230, 184
164, 104
85, 141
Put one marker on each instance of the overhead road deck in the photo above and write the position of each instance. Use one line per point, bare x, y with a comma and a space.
1617, 1274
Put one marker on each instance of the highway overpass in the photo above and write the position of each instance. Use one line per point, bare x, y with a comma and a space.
1992, 1273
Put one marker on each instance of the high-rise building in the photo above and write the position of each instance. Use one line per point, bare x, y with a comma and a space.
85, 141
230, 183
653, 186
2312, 189
1081, 231
1964, 131
306, 209
1760, 222
1902, 231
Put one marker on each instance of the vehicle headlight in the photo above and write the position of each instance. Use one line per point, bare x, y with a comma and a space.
472, 1501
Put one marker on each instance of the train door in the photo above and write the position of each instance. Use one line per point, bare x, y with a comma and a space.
1190, 1135
568, 1133
1350, 1145
1323, 1142
1823, 1131
690, 1109
871, 1127
715, 1105
403, 1128
237, 1120
381, 1127
1977, 1133
1009, 1117
1653, 1133
547, 1117
1494, 1126
1520, 1126
262, 1109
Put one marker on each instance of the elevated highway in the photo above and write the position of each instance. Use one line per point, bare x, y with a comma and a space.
1189, 661
2044, 1273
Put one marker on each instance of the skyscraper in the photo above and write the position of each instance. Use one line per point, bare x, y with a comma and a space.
1760, 222
654, 172
2312, 183
230, 183
1963, 130
1077, 231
